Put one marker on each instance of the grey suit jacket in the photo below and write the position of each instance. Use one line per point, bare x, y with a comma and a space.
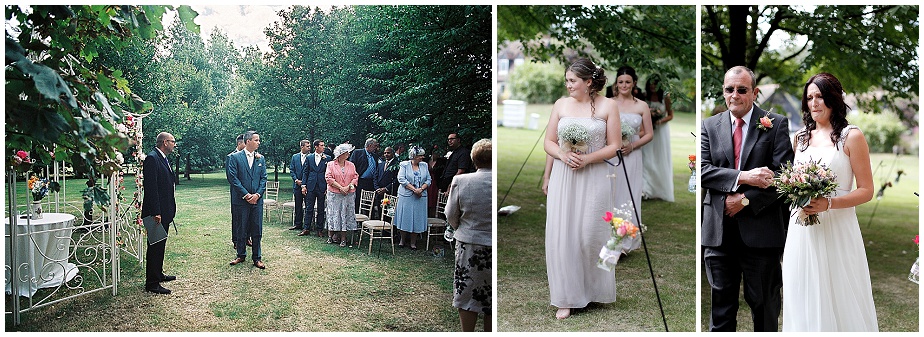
763, 222
470, 207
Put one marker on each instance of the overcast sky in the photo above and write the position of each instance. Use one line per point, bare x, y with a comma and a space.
242, 24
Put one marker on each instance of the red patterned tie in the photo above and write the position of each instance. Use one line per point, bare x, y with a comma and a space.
736, 138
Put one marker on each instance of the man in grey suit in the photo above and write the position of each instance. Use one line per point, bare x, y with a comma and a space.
314, 188
296, 168
246, 172
744, 220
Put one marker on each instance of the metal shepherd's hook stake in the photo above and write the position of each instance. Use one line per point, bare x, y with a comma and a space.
642, 233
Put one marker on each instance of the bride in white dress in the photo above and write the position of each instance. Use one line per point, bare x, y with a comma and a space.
579, 192
826, 283
635, 113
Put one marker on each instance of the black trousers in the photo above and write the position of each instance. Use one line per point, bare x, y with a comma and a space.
761, 271
367, 184
154, 270
299, 208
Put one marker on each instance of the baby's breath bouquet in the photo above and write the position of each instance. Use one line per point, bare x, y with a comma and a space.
803, 182
573, 138
627, 132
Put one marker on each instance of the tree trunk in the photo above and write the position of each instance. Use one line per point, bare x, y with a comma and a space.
737, 37
186, 175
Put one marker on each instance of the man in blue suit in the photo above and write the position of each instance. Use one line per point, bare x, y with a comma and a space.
314, 187
159, 202
296, 166
365, 160
246, 173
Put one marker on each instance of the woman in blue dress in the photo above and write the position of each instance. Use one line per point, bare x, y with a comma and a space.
411, 207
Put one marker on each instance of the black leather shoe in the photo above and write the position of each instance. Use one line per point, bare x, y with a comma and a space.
158, 290
295, 228
167, 278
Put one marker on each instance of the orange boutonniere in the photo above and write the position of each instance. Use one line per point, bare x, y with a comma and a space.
765, 122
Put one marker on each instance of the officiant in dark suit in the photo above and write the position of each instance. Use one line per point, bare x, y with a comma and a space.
365, 160
744, 220
296, 168
246, 172
314, 188
159, 202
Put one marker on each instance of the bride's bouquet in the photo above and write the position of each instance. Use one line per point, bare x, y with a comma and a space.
804, 182
573, 138
621, 227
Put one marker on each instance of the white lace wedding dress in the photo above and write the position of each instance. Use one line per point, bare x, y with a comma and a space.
826, 284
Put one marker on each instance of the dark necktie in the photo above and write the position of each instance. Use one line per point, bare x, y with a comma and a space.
736, 138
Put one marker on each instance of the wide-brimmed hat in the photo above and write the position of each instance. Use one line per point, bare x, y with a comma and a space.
341, 149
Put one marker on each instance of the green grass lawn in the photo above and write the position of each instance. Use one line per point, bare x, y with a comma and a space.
890, 250
522, 286
308, 285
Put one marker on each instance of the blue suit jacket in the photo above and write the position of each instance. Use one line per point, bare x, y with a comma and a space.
359, 159
159, 188
313, 174
295, 169
244, 179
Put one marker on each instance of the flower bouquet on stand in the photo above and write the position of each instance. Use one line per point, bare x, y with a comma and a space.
799, 184
573, 138
691, 185
914, 276
620, 227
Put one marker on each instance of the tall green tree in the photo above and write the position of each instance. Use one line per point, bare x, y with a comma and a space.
57, 98
651, 39
866, 47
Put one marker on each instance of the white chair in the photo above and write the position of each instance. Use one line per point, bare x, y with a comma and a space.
437, 226
271, 198
366, 198
376, 229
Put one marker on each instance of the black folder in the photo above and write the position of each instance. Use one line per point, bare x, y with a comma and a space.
156, 232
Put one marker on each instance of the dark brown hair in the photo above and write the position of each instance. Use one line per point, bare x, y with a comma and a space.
833, 95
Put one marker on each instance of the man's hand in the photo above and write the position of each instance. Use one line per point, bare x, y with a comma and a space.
304, 190
733, 204
380, 190
157, 219
761, 177
298, 181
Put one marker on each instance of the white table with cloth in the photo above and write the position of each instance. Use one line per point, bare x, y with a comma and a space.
42, 250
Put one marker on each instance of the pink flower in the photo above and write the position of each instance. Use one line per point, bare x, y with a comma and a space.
608, 216
766, 122
621, 231
22, 154
916, 240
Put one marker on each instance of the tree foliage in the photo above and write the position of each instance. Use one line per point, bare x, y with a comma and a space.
651, 39
538, 82
866, 47
57, 98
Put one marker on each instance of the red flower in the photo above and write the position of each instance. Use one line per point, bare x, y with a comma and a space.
916, 240
22, 154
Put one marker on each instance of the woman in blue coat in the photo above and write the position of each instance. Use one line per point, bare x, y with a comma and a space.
411, 207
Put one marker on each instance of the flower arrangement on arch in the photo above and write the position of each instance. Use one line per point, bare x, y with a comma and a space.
620, 227
799, 184
21, 161
573, 138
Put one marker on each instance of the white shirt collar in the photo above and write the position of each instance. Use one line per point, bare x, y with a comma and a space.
746, 118
161, 152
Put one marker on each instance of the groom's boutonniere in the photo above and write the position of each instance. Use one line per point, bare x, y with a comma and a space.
765, 122
257, 155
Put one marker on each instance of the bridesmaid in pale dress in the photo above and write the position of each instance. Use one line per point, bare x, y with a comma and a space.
659, 174
633, 112
579, 192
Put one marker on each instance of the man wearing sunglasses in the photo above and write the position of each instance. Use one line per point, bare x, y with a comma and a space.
744, 221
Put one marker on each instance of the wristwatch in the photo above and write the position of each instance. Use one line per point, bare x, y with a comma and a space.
745, 201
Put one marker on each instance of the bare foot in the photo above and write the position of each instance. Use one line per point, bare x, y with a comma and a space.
563, 313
